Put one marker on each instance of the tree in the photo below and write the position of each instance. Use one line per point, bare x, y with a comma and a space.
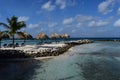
13, 26
3, 35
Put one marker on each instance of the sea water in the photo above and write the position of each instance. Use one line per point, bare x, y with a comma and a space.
35, 41
94, 61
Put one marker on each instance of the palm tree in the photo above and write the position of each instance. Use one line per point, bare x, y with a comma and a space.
13, 26
3, 35
0, 38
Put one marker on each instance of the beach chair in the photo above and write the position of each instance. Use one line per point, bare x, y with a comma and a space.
4, 45
22, 44
10, 45
16, 45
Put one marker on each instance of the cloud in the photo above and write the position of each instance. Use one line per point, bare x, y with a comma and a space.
79, 24
117, 23
119, 11
33, 25
68, 21
85, 20
74, 30
82, 18
60, 30
61, 3
52, 24
41, 24
106, 6
48, 6
23, 18
98, 23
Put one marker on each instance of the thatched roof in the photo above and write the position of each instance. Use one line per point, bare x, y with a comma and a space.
42, 36
24, 35
55, 35
64, 35
4, 35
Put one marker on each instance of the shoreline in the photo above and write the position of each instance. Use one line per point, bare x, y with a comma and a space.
28, 59
39, 52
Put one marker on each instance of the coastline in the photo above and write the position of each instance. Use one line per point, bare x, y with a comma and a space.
28, 59
39, 52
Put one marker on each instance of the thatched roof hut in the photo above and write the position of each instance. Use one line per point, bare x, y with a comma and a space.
4, 35
42, 36
64, 35
24, 35
55, 35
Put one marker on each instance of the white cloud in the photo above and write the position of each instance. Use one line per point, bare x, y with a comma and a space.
79, 24
52, 24
119, 10
61, 3
98, 23
82, 18
60, 30
68, 21
33, 25
106, 6
23, 18
48, 6
74, 30
117, 23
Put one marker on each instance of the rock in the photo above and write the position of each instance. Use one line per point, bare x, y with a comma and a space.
42, 36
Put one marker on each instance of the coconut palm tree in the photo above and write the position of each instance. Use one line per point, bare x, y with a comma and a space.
3, 35
0, 38
13, 26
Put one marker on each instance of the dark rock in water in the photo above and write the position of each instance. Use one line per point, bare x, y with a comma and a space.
5, 54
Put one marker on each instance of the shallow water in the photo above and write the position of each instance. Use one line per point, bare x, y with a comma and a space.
95, 61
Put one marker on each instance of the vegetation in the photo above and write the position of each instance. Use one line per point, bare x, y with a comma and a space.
13, 26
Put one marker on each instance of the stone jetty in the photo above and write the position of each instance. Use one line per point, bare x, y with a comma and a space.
33, 51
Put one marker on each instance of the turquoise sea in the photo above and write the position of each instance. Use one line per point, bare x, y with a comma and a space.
35, 41
95, 61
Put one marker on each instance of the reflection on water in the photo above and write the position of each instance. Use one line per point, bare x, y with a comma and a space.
14, 70
96, 61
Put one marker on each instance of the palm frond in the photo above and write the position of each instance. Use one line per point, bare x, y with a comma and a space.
5, 25
21, 24
21, 34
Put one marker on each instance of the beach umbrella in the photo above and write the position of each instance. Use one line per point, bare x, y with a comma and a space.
42, 36
55, 35
65, 35
24, 35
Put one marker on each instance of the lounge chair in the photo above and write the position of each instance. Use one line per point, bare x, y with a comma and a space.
4, 45
22, 44
10, 45
16, 45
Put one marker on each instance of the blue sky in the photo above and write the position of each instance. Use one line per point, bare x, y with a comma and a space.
79, 18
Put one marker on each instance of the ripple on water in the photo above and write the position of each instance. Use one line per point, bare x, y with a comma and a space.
96, 61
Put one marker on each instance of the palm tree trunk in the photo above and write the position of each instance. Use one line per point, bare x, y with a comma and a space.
24, 41
13, 41
0, 43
